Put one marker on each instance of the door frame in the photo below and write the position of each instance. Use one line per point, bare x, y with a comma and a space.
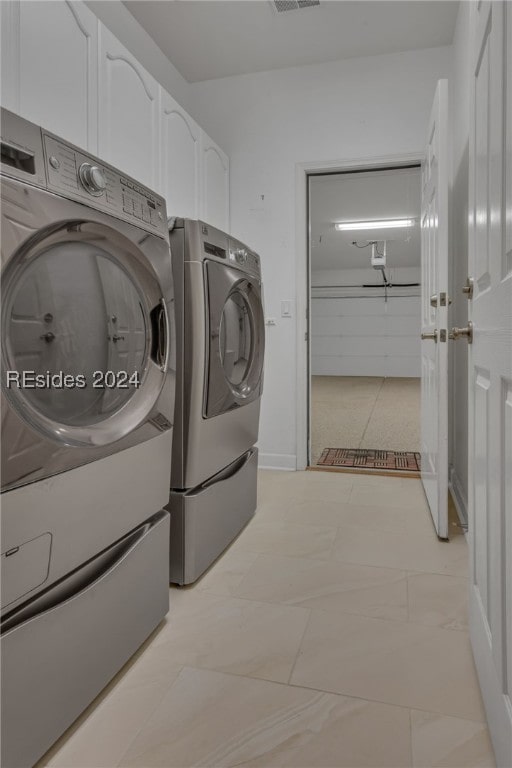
303, 292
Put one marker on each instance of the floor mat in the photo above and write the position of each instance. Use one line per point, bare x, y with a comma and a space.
368, 458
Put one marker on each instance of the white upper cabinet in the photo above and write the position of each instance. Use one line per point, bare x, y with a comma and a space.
50, 74
215, 169
180, 155
63, 69
9, 54
129, 114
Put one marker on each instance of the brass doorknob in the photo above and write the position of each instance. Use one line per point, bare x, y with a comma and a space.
460, 333
429, 335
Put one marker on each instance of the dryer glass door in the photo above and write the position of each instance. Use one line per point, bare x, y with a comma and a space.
237, 339
84, 337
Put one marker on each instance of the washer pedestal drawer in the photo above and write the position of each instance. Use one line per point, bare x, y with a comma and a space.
205, 519
64, 645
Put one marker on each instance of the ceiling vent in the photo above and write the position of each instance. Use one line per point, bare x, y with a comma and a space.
292, 5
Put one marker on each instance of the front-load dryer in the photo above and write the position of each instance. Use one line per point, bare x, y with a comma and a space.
220, 340
87, 408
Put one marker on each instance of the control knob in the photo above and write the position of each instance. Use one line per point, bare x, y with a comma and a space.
241, 255
93, 179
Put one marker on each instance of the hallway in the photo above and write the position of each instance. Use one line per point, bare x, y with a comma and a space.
364, 412
333, 632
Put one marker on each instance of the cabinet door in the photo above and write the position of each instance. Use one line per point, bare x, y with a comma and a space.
51, 74
180, 154
128, 112
9, 54
215, 185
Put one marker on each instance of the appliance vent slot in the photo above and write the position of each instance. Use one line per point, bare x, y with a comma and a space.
293, 5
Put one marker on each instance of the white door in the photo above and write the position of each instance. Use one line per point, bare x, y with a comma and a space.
434, 313
216, 185
128, 112
490, 366
180, 160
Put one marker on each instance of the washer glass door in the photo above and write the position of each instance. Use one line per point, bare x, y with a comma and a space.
84, 340
237, 339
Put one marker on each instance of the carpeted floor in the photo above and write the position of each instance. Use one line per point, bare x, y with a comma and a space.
364, 412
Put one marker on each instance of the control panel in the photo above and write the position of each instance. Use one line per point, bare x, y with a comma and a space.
243, 257
218, 245
80, 176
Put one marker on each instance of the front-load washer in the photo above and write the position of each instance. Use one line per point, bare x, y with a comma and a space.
87, 407
220, 340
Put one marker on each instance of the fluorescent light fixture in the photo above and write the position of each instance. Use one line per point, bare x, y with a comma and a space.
385, 224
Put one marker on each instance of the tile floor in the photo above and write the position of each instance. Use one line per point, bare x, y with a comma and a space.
364, 412
333, 632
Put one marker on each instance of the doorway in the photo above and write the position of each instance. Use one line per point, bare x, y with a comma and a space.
364, 300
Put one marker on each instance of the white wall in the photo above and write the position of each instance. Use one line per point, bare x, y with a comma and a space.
269, 122
356, 332
459, 117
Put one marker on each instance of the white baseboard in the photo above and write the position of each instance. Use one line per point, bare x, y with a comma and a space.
458, 496
284, 461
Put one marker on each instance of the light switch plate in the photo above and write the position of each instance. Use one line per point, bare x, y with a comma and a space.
286, 308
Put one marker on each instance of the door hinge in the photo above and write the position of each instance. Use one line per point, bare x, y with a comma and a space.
468, 289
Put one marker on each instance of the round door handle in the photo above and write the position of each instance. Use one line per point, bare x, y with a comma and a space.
462, 333
429, 336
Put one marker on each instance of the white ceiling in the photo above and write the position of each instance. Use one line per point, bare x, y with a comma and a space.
368, 196
207, 39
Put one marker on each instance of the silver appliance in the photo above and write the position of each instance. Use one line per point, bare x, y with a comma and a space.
220, 340
87, 402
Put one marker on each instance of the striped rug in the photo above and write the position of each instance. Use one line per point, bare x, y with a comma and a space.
369, 458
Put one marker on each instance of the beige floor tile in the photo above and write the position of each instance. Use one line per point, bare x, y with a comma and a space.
243, 637
212, 719
383, 482
319, 478
329, 490
448, 742
227, 572
312, 541
390, 661
272, 511
342, 513
270, 483
326, 586
100, 736
406, 551
409, 498
440, 601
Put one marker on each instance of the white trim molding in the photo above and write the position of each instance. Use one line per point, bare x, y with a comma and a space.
459, 497
284, 461
302, 171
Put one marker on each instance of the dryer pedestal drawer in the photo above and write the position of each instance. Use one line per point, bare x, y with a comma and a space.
204, 520
62, 647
